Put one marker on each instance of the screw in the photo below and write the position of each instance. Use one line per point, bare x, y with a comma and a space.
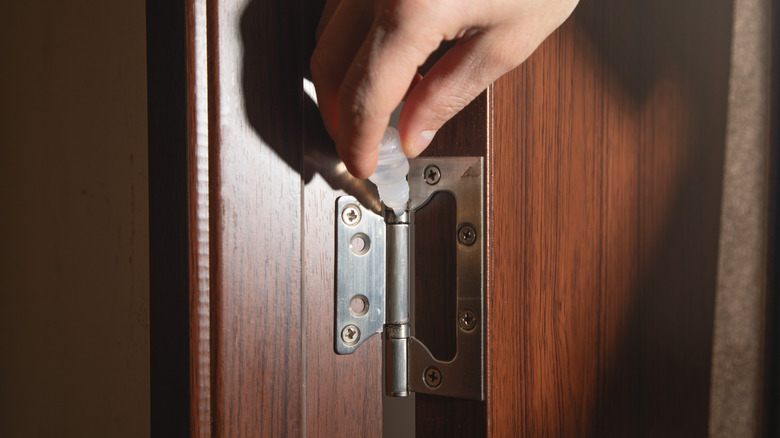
350, 334
432, 174
350, 215
467, 235
467, 320
432, 377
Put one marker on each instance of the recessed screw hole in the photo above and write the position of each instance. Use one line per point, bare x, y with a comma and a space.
358, 305
359, 244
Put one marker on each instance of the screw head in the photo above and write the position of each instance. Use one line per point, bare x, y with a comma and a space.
467, 235
432, 174
350, 215
432, 377
350, 334
467, 320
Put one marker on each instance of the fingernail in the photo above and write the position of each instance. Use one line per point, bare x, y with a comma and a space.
421, 142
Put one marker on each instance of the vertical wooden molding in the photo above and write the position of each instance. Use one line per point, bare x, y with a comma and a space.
199, 227
255, 205
214, 219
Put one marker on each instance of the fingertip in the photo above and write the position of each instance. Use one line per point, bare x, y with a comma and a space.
421, 142
360, 166
359, 172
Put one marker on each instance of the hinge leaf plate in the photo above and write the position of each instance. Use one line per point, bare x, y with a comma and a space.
360, 274
463, 376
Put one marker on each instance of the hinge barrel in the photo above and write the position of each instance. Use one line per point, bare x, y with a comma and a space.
397, 305
397, 281
396, 359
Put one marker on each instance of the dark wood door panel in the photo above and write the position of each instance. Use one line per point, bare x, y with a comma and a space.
285, 168
604, 158
606, 203
256, 218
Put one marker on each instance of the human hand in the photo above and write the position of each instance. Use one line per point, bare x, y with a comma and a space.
368, 53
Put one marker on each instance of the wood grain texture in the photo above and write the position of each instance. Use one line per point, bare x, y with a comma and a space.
604, 155
276, 373
435, 256
608, 150
255, 205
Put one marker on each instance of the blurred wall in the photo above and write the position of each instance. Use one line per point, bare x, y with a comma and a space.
737, 388
74, 325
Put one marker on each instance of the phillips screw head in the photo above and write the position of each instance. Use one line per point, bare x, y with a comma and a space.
350, 334
432, 377
467, 235
350, 215
432, 174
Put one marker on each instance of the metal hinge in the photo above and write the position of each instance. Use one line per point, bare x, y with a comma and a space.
373, 284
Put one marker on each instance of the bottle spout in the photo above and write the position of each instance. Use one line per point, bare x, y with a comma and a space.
391, 170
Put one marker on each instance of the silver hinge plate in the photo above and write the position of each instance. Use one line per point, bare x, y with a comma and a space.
360, 274
361, 277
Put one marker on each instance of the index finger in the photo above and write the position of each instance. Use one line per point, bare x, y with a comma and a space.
400, 40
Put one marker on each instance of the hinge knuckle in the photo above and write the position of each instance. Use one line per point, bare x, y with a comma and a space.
396, 359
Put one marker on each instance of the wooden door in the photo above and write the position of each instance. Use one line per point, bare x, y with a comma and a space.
605, 153
603, 156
